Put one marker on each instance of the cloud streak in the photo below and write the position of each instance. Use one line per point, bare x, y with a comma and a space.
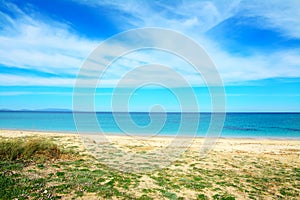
47, 45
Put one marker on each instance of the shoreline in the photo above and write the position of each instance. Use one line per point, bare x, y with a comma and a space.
111, 134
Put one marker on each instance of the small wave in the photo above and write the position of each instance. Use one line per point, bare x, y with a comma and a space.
287, 129
240, 128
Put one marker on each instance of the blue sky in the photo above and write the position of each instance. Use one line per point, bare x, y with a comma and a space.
255, 46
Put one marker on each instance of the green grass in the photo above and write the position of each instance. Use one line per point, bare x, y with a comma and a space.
223, 197
38, 168
202, 197
18, 153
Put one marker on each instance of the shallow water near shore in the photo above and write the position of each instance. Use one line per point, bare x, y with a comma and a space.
248, 125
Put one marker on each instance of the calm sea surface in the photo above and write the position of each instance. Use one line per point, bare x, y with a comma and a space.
266, 125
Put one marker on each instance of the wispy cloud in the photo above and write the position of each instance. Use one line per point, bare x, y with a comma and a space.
195, 18
41, 44
16, 80
178, 15
44, 44
281, 15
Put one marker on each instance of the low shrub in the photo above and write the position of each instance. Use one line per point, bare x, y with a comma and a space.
27, 148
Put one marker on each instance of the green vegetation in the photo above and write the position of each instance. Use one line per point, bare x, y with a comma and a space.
40, 168
28, 148
16, 154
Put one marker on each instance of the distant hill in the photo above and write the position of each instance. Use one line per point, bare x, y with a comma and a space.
54, 110
38, 110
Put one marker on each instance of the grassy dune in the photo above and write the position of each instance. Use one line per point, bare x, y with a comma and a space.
58, 166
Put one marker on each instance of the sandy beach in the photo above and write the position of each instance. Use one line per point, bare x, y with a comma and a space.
233, 169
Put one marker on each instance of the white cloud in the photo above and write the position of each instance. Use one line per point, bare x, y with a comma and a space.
42, 45
18, 93
195, 17
240, 69
179, 15
50, 46
234, 69
17, 80
282, 15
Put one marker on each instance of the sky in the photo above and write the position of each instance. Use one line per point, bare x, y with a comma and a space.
255, 46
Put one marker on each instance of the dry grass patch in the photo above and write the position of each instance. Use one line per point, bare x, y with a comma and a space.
28, 148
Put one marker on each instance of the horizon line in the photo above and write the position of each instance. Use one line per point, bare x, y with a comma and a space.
205, 112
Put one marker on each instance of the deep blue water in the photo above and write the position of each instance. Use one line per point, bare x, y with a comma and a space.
266, 125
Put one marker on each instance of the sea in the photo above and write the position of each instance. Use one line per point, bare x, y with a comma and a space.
236, 125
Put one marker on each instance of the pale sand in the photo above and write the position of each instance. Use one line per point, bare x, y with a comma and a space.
242, 145
286, 151
237, 157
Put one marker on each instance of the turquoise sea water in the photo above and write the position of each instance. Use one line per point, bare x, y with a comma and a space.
253, 125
